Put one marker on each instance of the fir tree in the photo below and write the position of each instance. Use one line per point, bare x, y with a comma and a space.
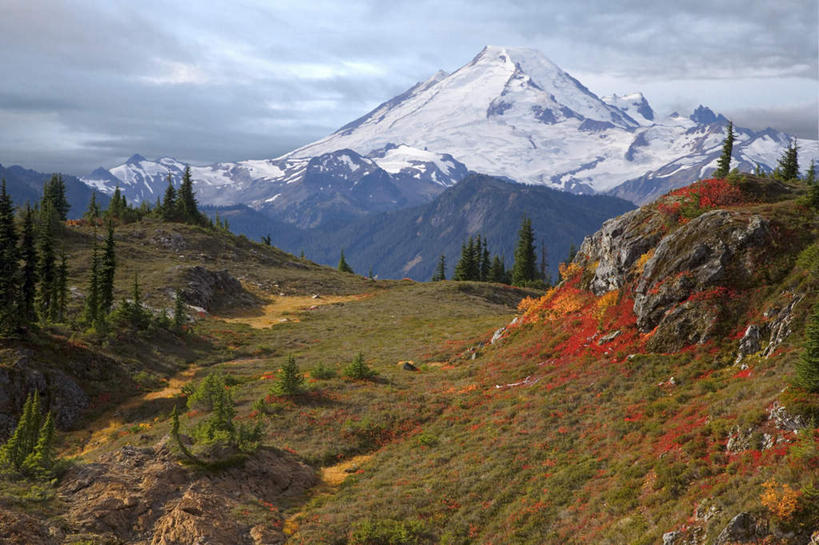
30, 449
525, 268
440, 269
266, 240
93, 212
61, 291
47, 265
92, 298
187, 200
789, 163
462, 267
107, 270
116, 208
343, 266
810, 175
9, 264
40, 460
497, 273
180, 316
290, 380
724, 162
169, 207
486, 263
54, 193
807, 366
359, 370
28, 287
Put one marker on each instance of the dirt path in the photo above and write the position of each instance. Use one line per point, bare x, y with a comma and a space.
331, 479
284, 309
99, 432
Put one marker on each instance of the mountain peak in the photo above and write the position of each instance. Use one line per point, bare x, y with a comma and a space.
135, 158
706, 116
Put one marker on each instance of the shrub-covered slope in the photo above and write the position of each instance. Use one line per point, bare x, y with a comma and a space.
647, 399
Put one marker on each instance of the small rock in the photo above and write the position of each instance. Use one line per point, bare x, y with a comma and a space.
749, 343
497, 335
408, 366
608, 337
669, 538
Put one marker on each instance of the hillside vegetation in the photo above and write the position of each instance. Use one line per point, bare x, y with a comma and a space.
648, 398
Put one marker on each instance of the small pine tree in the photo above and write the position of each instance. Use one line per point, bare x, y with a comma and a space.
30, 449
724, 162
807, 366
788, 168
28, 287
61, 299
358, 370
92, 298
343, 266
498, 271
47, 265
92, 214
810, 175
290, 380
168, 210
9, 264
486, 263
440, 269
107, 270
54, 193
187, 206
525, 268
180, 316
462, 266
116, 208
266, 240
40, 460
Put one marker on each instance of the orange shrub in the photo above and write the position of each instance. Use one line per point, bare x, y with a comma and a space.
782, 501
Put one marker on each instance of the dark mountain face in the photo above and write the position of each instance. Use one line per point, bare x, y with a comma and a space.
407, 243
26, 185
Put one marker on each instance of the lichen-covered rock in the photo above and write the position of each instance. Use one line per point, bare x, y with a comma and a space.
616, 247
719, 249
143, 495
780, 325
214, 289
743, 528
783, 420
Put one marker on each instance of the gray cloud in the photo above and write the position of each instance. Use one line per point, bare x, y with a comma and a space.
89, 83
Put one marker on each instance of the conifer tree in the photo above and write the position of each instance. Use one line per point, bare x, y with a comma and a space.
41, 459
266, 240
724, 162
47, 266
525, 268
180, 316
359, 370
61, 290
497, 273
486, 264
107, 270
116, 208
343, 266
807, 366
290, 380
92, 298
440, 269
810, 175
187, 201
9, 264
544, 264
28, 287
54, 192
788, 168
93, 211
30, 449
169, 208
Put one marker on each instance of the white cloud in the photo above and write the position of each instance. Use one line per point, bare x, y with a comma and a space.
176, 73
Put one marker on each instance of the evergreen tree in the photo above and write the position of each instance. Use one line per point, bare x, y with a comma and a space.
30, 448
61, 290
47, 266
92, 298
789, 163
28, 287
41, 459
116, 208
486, 263
440, 269
497, 273
107, 270
180, 316
359, 370
187, 200
54, 193
169, 207
462, 267
807, 366
544, 264
343, 266
724, 162
810, 176
266, 240
93, 212
290, 379
525, 268
9, 264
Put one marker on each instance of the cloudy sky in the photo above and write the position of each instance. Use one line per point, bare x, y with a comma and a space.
89, 83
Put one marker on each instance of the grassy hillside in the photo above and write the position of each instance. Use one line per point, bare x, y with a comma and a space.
614, 408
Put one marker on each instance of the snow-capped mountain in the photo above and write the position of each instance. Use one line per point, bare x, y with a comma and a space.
305, 191
511, 112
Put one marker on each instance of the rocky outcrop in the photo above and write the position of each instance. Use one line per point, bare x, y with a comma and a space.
743, 528
749, 343
212, 290
617, 246
143, 495
59, 392
780, 324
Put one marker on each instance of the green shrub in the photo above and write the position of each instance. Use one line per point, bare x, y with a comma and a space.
290, 381
322, 372
358, 370
388, 532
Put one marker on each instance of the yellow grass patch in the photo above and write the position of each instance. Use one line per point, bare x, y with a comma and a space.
283, 309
